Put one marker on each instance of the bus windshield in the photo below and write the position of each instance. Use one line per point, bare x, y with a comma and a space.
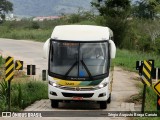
78, 59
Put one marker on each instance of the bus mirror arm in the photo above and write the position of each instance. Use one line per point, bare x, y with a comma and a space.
112, 49
46, 49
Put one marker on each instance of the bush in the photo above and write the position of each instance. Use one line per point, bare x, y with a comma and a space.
127, 59
35, 25
25, 94
0, 59
156, 46
3, 95
22, 94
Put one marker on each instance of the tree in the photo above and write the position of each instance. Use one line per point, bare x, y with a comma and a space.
115, 13
112, 8
5, 7
147, 9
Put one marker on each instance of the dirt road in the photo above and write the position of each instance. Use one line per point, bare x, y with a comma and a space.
124, 84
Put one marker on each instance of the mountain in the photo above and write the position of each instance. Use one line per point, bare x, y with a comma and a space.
48, 7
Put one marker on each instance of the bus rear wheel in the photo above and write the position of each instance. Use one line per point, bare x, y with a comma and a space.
54, 103
103, 104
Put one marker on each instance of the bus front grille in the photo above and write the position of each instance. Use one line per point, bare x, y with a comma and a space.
77, 88
84, 95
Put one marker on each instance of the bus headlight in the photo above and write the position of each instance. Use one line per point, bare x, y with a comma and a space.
102, 85
53, 84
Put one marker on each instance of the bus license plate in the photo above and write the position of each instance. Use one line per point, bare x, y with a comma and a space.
77, 98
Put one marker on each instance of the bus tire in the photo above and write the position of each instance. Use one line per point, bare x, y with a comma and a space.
103, 104
54, 104
109, 99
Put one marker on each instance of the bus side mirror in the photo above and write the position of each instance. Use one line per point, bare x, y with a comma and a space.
112, 49
46, 49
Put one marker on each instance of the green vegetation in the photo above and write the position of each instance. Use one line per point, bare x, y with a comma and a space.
127, 59
136, 34
38, 35
5, 7
136, 28
26, 30
1, 65
150, 104
147, 8
41, 30
22, 94
115, 13
24, 90
1, 60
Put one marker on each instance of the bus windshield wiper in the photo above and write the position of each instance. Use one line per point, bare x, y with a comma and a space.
70, 69
89, 73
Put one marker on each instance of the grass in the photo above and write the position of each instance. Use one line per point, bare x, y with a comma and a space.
28, 30
30, 34
150, 104
22, 94
1, 60
127, 59
1, 65
25, 94
37, 31
24, 90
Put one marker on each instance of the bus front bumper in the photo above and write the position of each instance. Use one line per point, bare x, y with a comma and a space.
101, 94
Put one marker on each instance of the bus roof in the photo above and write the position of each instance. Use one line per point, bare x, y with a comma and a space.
81, 33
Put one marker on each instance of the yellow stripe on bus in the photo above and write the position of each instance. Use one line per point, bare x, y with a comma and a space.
66, 82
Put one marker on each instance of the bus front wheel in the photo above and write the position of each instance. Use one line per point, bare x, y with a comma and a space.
109, 99
103, 104
54, 103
